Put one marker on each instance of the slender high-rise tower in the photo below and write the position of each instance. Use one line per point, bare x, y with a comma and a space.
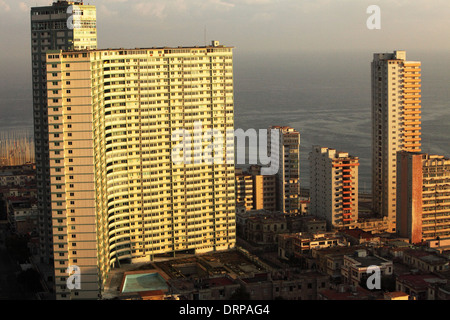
65, 25
288, 175
141, 157
396, 108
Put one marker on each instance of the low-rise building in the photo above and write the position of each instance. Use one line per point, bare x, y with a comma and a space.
417, 285
425, 261
330, 260
358, 236
22, 214
348, 293
306, 223
360, 266
216, 288
287, 286
300, 244
439, 245
375, 225
396, 295
264, 229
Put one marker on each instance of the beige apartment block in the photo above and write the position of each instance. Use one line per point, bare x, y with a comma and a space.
396, 124
288, 175
254, 190
244, 190
334, 186
63, 25
265, 192
117, 193
423, 200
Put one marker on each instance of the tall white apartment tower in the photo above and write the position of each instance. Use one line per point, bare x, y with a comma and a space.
119, 121
288, 175
64, 25
334, 186
396, 125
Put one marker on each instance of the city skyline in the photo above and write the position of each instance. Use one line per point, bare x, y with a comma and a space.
123, 193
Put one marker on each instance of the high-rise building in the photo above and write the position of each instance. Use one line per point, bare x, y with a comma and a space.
244, 190
264, 192
288, 175
396, 125
64, 25
119, 121
255, 191
423, 196
334, 186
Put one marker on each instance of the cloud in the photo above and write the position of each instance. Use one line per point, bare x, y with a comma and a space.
106, 11
4, 7
255, 2
222, 3
24, 7
156, 9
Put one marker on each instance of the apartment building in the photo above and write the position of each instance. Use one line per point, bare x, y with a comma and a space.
128, 181
64, 25
244, 190
264, 192
334, 186
423, 199
288, 175
396, 124
255, 191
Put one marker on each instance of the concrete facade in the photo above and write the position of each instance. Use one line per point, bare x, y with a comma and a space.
118, 193
396, 125
334, 186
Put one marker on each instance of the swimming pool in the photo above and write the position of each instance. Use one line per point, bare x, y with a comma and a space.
144, 282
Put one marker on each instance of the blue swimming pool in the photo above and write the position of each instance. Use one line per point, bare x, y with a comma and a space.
144, 282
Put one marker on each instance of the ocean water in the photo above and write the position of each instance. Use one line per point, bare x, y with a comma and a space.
326, 97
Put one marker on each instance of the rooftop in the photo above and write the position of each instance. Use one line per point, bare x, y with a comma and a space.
419, 281
358, 233
357, 293
426, 256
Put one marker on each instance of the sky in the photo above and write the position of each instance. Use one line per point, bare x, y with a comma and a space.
251, 26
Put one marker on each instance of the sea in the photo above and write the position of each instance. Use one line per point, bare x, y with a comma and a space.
323, 95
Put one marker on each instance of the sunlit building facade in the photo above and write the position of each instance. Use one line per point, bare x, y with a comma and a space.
64, 25
117, 193
334, 186
287, 160
423, 199
396, 124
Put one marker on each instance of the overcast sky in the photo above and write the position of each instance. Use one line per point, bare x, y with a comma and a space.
299, 25
249, 25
